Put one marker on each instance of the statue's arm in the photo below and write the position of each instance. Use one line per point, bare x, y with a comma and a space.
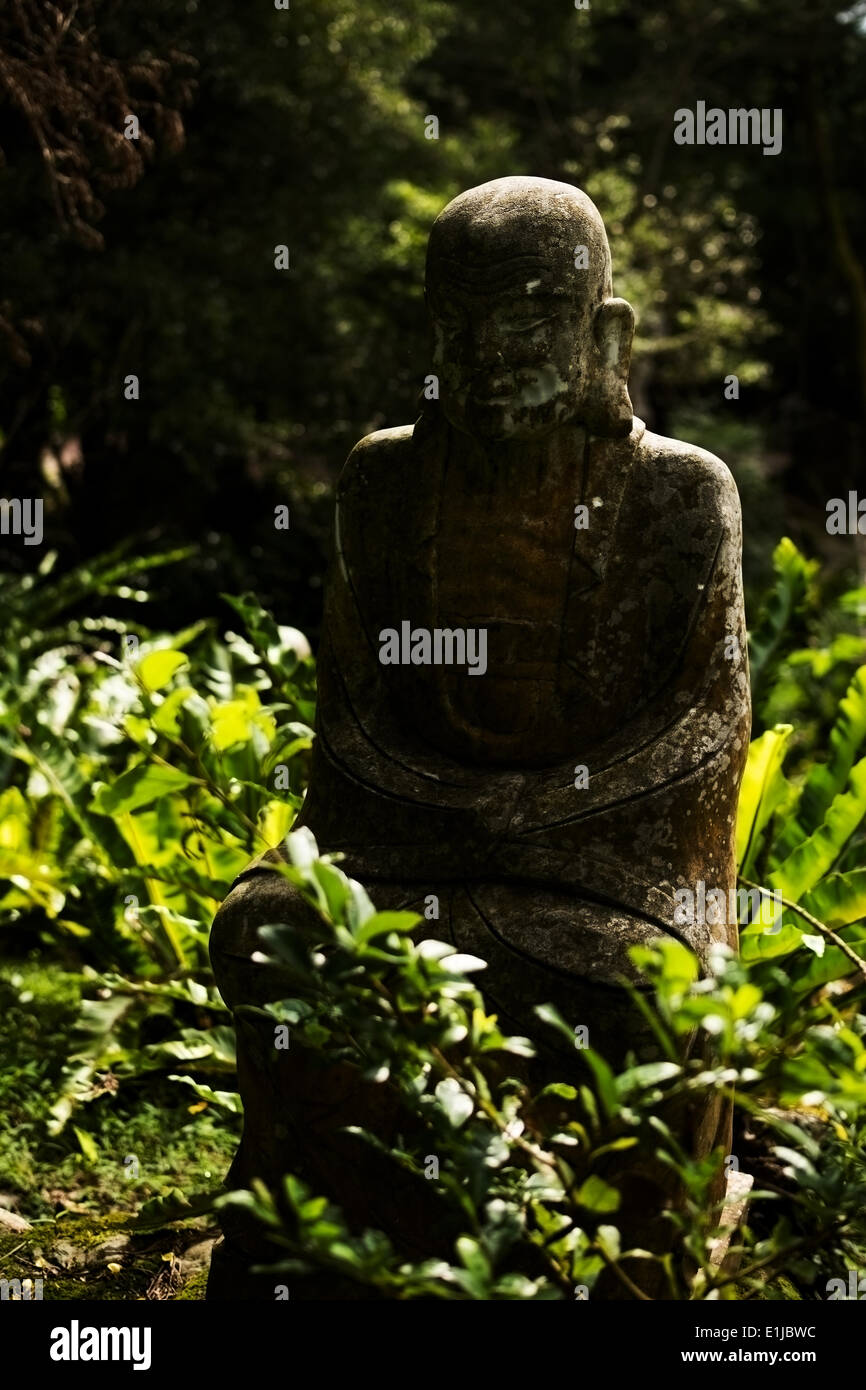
701, 708
369, 765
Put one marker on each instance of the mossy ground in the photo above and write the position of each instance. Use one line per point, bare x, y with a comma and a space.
81, 1193
78, 1257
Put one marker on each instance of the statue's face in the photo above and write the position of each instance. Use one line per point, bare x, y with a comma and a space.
511, 344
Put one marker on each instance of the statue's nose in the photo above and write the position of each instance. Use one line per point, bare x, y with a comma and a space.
482, 344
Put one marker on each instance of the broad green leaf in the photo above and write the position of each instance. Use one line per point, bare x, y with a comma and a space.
813, 859
839, 899
759, 943
548, 1013
561, 1089
166, 718
57, 764
157, 668
334, 885
14, 820
99, 1016
649, 1074
274, 821
679, 965
236, 721
458, 1106
605, 1081
476, 1263
359, 909
608, 1238
790, 594
213, 1047
176, 1205
34, 880
461, 964
227, 1100
518, 1288
302, 848
139, 786
382, 923
87, 1144
834, 964
826, 780
430, 949
596, 1195
544, 1187
518, 1047
763, 790
745, 999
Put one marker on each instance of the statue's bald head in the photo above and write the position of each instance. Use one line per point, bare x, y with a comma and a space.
519, 291
517, 219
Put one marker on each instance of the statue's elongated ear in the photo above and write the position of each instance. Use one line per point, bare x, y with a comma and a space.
608, 409
614, 331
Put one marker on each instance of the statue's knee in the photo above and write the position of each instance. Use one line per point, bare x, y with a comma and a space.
265, 898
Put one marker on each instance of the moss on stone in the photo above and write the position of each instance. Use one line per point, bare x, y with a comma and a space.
76, 1238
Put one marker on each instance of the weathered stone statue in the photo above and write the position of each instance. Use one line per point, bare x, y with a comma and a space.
533, 688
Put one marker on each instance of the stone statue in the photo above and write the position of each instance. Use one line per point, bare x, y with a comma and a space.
533, 685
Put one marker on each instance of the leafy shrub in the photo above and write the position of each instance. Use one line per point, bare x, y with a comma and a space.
136, 773
524, 1173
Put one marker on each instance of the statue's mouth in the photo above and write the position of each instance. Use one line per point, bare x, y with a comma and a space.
497, 390
527, 386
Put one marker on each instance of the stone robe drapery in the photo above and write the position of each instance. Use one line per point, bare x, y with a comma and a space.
649, 692
431, 781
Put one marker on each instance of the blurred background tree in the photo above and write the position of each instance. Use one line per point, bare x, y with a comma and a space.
306, 128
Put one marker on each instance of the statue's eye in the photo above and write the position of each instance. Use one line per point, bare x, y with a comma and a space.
522, 323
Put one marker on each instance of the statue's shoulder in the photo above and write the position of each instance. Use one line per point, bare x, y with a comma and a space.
375, 461
692, 472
